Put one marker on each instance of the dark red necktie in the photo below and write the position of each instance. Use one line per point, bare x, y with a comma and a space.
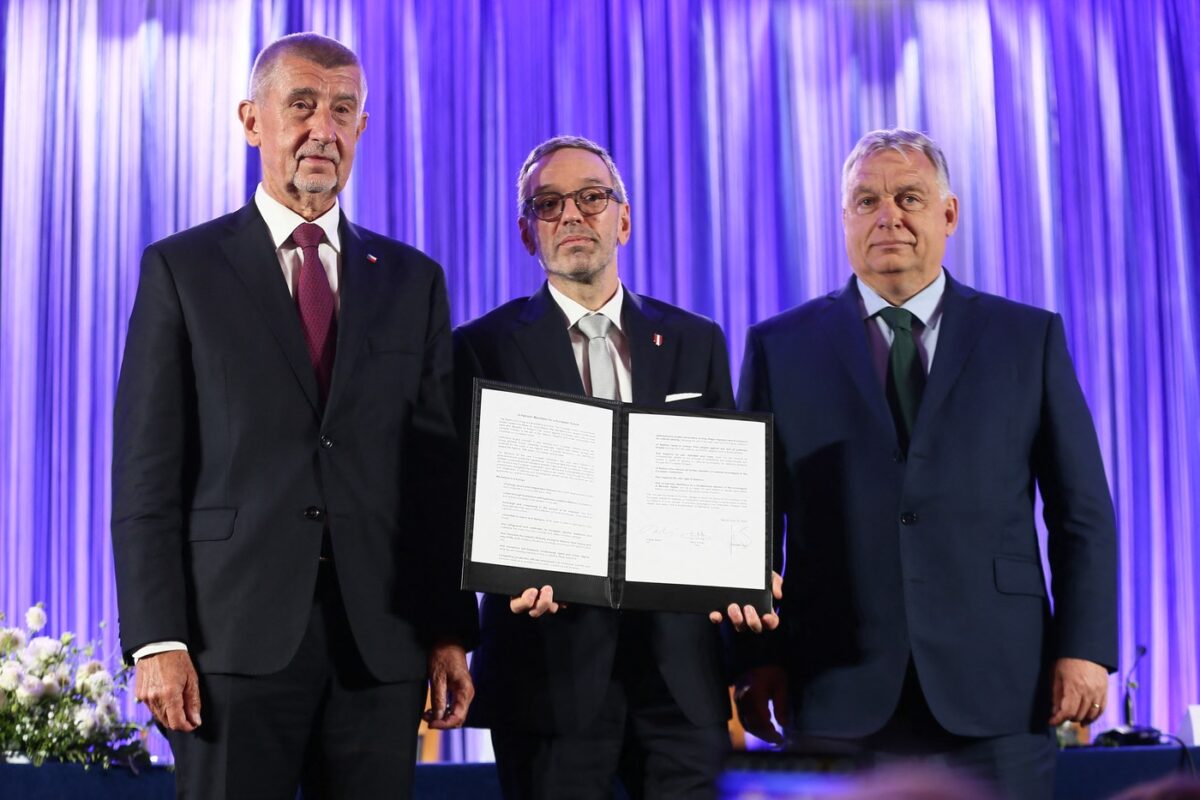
314, 299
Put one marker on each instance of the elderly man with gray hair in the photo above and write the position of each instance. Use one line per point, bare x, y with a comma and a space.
915, 420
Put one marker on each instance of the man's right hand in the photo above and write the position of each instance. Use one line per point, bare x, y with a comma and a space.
168, 685
536, 602
755, 689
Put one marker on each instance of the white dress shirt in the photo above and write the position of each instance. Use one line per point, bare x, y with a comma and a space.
925, 305
618, 344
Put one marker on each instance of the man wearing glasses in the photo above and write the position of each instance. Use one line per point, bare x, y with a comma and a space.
575, 694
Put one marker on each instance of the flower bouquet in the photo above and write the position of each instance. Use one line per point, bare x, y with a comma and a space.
58, 702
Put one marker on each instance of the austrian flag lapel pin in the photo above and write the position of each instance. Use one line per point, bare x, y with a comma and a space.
657, 339
371, 258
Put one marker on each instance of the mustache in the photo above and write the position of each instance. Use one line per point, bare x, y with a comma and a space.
318, 149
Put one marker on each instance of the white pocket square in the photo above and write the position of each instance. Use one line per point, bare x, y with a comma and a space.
671, 398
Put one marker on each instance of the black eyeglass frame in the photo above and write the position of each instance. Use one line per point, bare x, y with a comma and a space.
610, 195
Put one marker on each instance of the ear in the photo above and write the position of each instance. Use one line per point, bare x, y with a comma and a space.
951, 214
623, 224
362, 125
248, 114
527, 237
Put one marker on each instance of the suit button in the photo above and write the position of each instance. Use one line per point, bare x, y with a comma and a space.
314, 513
908, 518
326, 442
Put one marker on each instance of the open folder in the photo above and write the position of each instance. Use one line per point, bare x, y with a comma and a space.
617, 505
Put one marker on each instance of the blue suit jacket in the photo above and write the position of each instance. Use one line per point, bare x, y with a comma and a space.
933, 554
549, 675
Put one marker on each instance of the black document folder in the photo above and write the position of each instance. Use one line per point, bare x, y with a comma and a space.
681, 523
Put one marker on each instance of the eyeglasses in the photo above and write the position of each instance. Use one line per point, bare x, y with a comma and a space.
548, 206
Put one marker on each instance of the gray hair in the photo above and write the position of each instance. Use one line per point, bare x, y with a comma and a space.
902, 141
320, 50
561, 143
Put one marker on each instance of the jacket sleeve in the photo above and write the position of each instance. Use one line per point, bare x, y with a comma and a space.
1078, 512
154, 404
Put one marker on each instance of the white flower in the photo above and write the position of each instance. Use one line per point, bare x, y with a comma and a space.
85, 669
30, 690
106, 711
40, 650
11, 639
85, 720
50, 687
10, 676
98, 684
35, 618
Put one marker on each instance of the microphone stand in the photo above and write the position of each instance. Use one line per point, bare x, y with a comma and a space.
1130, 734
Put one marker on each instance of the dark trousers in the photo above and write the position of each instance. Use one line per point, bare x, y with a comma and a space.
640, 735
1020, 766
322, 722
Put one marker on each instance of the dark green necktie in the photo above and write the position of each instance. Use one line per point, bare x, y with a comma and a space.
906, 376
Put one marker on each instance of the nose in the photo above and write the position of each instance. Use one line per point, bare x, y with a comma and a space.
321, 127
888, 215
570, 210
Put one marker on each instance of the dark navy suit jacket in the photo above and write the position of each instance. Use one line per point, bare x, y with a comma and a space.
933, 554
549, 675
226, 468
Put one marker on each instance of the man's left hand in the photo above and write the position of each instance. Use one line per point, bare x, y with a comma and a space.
450, 686
1080, 691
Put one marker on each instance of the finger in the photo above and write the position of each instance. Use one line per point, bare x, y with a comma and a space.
437, 695
191, 701
735, 617
752, 620
524, 601
770, 621
715, 617
456, 714
777, 585
544, 600
173, 714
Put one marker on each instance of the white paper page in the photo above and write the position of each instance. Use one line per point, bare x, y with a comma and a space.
542, 484
696, 495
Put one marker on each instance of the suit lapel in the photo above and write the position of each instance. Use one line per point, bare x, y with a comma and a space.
847, 336
357, 290
650, 363
249, 250
963, 320
541, 336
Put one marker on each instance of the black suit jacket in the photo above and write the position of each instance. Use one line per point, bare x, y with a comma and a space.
226, 468
549, 675
933, 554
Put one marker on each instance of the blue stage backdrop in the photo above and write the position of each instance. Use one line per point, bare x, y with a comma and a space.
1071, 130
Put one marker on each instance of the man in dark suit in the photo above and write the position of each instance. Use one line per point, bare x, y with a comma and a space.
914, 419
573, 694
284, 531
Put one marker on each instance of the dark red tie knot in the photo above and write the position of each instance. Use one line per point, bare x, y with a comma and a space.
308, 234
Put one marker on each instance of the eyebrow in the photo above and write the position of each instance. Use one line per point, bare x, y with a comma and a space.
913, 188
544, 188
308, 93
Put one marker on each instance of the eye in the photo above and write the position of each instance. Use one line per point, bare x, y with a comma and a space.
547, 202
592, 196
911, 201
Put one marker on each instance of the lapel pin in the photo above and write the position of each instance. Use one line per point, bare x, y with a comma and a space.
371, 258
657, 339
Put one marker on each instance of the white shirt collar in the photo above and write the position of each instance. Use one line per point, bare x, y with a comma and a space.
574, 312
923, 305
282, 221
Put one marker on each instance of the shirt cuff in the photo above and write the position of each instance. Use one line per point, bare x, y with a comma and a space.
154, 648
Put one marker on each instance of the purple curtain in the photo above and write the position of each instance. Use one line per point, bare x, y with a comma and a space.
1071, 130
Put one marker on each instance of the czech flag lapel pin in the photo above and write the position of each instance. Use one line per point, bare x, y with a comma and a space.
371, 258
657, 339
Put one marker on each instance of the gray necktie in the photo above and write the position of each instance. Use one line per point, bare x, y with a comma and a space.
600, 364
